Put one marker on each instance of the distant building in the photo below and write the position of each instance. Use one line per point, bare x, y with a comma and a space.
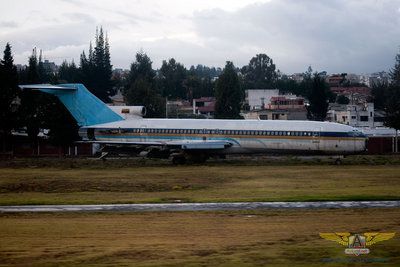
298, 77
354, 115
336, 79
284, 107
258, 98
275, 114
360, 90
204, 106
49, 67
353, 78
289, 102
356, 95
378, 78
179, 109
118, 99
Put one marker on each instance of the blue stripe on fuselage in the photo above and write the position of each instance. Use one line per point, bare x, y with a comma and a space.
188, 133
168, 138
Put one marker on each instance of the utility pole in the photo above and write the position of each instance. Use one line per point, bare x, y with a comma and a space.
166, 107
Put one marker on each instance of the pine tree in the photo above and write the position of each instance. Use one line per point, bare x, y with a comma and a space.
395, 72
318, 99
378, 92
392, 106
68, 73
99, 51
228, 94
91, 54
41, 70
8, 93
33, 72
96, 68
30, 100
107, 59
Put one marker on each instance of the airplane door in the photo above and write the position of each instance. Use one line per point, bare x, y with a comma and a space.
316, 138
143, 134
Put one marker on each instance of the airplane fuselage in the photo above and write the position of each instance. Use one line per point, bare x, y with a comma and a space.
244, 136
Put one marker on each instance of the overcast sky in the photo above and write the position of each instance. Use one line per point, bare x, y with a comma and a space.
337, 36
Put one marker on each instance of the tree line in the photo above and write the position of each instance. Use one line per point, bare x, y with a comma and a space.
143, 85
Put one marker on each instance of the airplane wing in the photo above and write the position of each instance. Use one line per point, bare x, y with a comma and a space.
208, 145
163, 149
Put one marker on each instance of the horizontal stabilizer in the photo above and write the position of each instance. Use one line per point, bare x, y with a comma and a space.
47, 86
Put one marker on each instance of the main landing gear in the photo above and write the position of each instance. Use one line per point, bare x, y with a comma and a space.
338, 160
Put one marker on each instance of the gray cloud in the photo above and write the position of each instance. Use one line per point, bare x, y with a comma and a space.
354, 36
8, 24
80, 17
188, 54
61, 38
336, 35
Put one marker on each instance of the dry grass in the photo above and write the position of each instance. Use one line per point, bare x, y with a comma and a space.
222, 238
234, 238
198, 184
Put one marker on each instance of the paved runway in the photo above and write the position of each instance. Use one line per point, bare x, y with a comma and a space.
205, 206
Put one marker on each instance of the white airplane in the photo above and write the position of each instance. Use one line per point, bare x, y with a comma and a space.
196, 139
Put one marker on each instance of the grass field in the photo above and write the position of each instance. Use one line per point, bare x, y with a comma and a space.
211, 238
161, 184
234, 238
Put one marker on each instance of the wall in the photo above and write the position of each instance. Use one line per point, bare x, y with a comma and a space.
44, 148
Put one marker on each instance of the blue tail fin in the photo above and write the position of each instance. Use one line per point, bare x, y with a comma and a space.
86, 108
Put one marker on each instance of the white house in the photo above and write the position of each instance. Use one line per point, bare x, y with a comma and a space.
354, 115
258, 98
